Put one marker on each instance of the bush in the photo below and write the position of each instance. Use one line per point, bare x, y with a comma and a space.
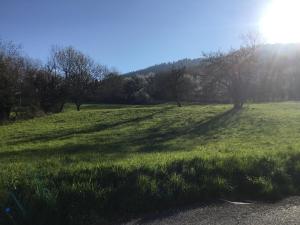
141, 97
25, 112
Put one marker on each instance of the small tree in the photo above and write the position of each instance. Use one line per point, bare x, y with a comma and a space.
50, 91
179, 84
233, 71
112, 88
78, 70
134, 90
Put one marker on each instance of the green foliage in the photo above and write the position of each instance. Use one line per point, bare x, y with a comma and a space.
115, 161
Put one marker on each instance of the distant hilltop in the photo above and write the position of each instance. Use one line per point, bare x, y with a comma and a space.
267, 52
163, 67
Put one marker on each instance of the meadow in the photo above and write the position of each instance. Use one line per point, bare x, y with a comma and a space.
107, 163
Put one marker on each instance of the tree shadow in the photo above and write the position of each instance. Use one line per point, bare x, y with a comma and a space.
116, 106
154, 139
89, 130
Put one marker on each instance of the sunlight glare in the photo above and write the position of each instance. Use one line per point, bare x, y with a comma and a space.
281, 22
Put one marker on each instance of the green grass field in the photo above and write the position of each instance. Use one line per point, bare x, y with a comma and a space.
109, 162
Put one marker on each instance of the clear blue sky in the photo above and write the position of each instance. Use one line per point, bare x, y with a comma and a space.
128, 34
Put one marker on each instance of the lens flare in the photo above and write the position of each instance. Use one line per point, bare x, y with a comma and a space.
281, 22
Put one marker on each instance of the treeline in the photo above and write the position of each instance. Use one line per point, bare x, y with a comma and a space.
28, 87
251, 73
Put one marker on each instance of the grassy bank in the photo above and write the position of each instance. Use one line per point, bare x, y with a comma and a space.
109, 162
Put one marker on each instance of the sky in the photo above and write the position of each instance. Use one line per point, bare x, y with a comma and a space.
129, 34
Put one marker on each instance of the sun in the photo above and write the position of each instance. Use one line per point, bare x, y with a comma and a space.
281, 22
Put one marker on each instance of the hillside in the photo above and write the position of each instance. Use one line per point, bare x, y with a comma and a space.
163, 67
267, 52
107, 160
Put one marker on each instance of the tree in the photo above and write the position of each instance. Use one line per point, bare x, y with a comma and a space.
11, 65
177, 84
112, 88
78, 70
50, 91
135, 90
233, 71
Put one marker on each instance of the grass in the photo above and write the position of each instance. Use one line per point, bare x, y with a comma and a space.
108, 162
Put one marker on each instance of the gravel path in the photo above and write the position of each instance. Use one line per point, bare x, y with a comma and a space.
227, 213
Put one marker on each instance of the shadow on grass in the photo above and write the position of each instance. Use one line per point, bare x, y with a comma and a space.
96, 128
153, 139
116, 106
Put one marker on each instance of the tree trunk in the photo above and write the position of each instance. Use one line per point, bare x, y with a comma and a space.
178, 103
78, 106
177, 98
61, 107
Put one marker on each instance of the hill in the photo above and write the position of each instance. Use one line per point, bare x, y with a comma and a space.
267, 52
112, 161
163, 67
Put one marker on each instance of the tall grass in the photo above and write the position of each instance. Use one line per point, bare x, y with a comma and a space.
105, 164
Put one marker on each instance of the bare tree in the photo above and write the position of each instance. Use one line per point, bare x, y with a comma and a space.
233, 71
177, 84
79, 71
